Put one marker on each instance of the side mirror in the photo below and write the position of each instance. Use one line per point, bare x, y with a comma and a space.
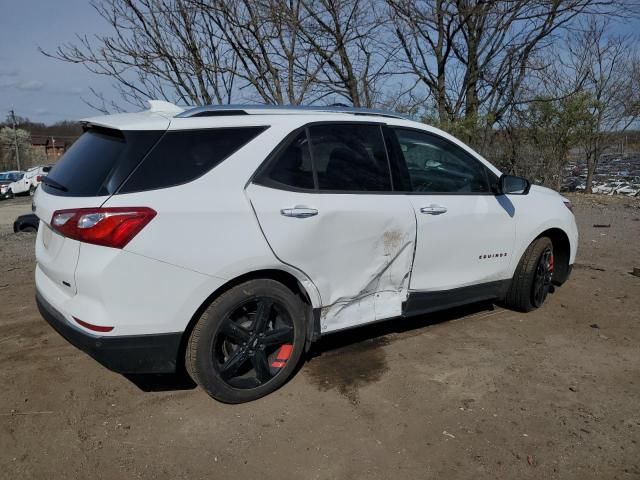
512, 185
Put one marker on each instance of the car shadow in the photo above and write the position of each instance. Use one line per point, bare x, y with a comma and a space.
366, 335
383, 328
163, 382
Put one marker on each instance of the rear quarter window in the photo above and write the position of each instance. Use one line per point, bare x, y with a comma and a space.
182, 156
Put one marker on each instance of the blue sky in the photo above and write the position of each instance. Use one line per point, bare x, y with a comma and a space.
44, 89
38, 87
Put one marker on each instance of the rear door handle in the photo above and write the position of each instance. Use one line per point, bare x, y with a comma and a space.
299, 212
433, 210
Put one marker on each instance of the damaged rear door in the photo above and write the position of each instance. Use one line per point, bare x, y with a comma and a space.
325, 204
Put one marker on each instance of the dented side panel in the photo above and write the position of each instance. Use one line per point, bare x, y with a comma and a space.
358, 249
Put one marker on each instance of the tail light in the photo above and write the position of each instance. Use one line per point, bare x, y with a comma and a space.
109, 227
38, 178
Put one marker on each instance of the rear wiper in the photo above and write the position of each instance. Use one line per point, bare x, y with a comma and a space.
53, 184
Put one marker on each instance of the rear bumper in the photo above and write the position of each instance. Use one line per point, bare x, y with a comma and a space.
123, 354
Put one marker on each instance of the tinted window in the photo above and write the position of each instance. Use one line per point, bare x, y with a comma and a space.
10, 177
436, 165
292, 166
350, 157
98, 162
183, 156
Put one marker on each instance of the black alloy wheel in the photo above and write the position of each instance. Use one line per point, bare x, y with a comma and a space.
253, 344
543, 277
248, 341
532, 280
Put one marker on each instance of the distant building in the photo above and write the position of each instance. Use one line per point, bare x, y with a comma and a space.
52, 147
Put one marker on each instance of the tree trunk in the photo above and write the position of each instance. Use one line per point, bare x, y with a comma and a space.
592, 165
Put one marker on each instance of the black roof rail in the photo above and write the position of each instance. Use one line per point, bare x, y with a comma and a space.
226, 110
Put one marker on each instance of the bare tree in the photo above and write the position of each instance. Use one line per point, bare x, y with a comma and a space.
158, 49
611, 80
219, 51
474, 55
347, 39
264, 35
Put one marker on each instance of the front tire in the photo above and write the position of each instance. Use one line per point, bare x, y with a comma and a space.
532, 281
247, 342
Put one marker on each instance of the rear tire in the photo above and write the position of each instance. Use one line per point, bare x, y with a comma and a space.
247, 342
531, 282
32, 191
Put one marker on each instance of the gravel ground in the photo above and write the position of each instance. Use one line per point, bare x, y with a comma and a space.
10, 209
479, 392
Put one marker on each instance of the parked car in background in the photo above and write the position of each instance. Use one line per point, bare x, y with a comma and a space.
26, 223
301, 222
33, 176
12, 183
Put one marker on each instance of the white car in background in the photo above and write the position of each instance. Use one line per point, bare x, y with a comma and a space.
227, 239
17, 182
12, 183
33, 176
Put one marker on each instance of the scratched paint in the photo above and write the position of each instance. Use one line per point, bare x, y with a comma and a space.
382, 295
357, 250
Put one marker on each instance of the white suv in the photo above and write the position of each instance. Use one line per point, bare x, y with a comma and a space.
34, 175
13, 183
227, 239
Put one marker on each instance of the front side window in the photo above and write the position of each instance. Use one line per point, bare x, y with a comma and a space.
350, 157
436, 165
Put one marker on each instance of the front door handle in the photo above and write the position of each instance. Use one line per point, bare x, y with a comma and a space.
433, 210
299, 212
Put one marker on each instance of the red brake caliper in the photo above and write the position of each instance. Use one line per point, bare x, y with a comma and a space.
283, 355
551, 263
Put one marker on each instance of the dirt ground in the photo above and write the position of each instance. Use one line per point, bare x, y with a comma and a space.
479, 392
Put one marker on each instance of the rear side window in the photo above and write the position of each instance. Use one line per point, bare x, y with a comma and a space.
182, 156
99, 161
350, 157
293, 166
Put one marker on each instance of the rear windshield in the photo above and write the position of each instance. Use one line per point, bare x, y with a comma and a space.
99, 161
